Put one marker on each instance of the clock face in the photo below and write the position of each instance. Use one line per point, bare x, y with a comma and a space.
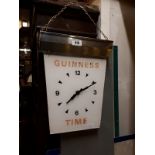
74, 92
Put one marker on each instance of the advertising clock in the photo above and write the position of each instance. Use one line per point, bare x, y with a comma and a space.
74, 92
74, 86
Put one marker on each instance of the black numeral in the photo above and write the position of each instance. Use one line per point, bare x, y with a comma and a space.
57, 93
77, 72
95, 92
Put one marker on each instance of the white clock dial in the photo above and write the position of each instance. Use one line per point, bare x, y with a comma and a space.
74, 92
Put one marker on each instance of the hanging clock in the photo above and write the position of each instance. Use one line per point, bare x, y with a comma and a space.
75, 69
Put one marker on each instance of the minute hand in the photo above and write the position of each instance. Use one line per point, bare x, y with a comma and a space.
79, 91
87, 87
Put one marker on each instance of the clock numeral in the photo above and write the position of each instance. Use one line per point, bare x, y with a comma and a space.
77, 72
95, 92
76, 112
57, 93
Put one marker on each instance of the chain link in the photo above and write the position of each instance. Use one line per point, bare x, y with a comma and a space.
52, 19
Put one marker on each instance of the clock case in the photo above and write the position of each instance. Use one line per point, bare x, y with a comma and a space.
57, 44
61, 44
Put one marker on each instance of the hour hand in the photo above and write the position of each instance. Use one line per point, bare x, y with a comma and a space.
74, 95
79, 91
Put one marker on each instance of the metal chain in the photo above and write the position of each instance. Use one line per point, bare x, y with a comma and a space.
93, 21
52, 19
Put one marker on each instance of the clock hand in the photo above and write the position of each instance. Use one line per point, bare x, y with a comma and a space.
79, 91
74, 95
87, 87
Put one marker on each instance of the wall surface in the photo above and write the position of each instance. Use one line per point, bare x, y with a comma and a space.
117, 22
96, 2
125, 148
